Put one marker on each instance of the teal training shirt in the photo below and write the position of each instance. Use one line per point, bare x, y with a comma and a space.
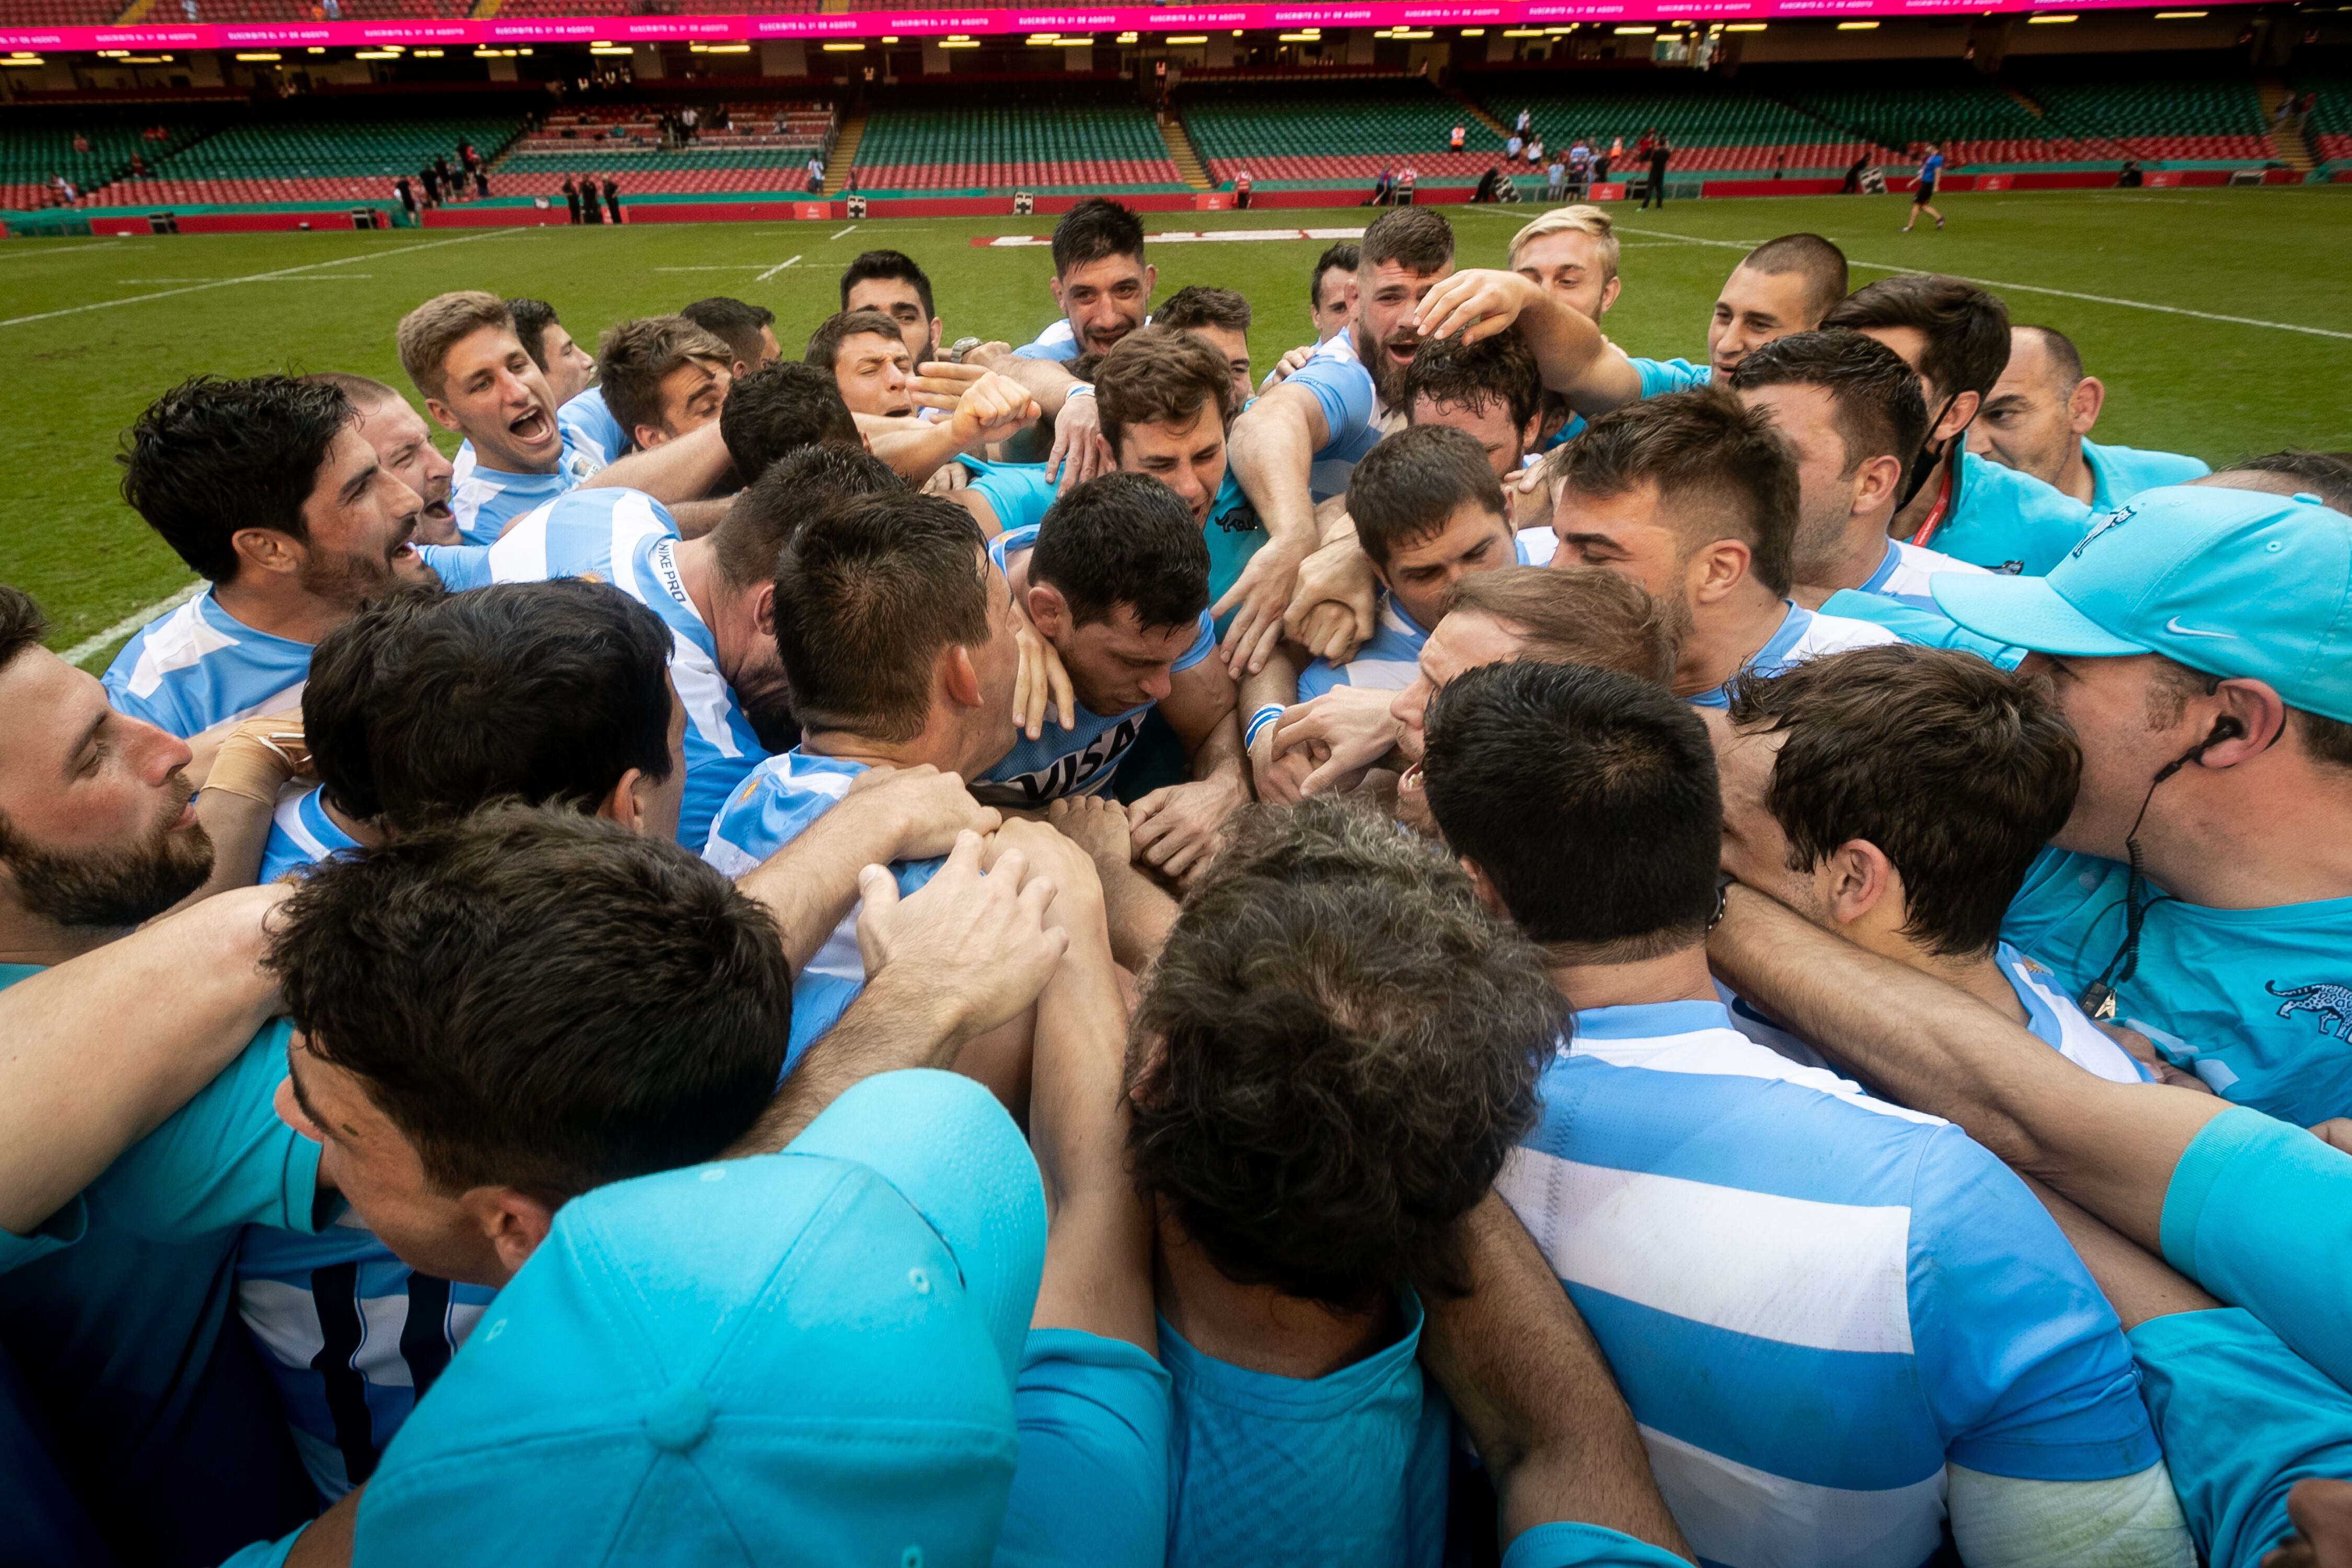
119, 1333
2119, 473
1346, 1468
1092, 1485
1567, 1544
2241, 1418
2259, 1211
2258, 1003
2005, 520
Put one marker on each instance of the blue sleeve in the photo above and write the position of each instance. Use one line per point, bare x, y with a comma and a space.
951, 1152
1203, 645
1660, 376
1924, 628
2020, 1359
54, 1234
1343, 389
222, 1161
1092, 1484
1570, 1545
1018, 493
460, 566
262, 1554
157, 709
818, 1002
2243, 1418
2259, 1211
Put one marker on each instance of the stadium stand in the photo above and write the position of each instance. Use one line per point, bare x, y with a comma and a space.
58, 13
316, 10
2171, 119
345, 161
1970, 117
1715, 126
1301, 131
30, 157
2330, 131
987, 144
763, 148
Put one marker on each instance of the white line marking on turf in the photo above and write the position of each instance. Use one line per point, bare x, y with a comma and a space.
129, 623
282, 272
2027, 289
832, 237
338, 277
744, 266
771, 271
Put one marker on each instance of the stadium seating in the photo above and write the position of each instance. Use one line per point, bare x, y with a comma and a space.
2330, 130
346, 161
2164, 118
1027, 146
58, 13
803, 126
1299, 131
313, 10
1972, 119
1713, 125
28, 157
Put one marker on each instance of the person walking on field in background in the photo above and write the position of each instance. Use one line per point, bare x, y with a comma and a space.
1660, 151
1923, 194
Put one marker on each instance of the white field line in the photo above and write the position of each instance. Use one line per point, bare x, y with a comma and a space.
129, 623
830, 238
779, 266
250, 278
2025, 287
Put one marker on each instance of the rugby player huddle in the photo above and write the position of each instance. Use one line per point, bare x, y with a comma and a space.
1484, 950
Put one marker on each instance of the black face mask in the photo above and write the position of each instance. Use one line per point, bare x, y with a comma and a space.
1924, 462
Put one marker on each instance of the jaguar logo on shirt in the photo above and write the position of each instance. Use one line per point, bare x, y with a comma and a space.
2332, 1004
2113, 519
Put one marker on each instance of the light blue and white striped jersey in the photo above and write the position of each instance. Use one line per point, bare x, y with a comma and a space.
1813, 1300
351, 1338
1060, 762
1660, 377
1904, 570
1354, 418
196, 667
590, 429
1390, 656
2052, 1017
775, 805
626, 538
483, 500
1058, 343
1804, 634
2005, 520
301, 834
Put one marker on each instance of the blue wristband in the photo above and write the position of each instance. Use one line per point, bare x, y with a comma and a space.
1259, 721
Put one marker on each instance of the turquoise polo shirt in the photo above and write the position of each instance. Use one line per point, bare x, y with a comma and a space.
2259, 1211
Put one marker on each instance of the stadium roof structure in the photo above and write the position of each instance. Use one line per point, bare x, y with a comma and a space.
1411, 17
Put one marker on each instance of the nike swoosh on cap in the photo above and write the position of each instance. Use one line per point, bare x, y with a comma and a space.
2174, 627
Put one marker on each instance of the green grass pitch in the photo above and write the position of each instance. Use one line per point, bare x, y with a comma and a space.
2142, 281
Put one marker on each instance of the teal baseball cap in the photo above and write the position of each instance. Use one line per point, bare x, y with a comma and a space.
2230, 582
799, 1357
